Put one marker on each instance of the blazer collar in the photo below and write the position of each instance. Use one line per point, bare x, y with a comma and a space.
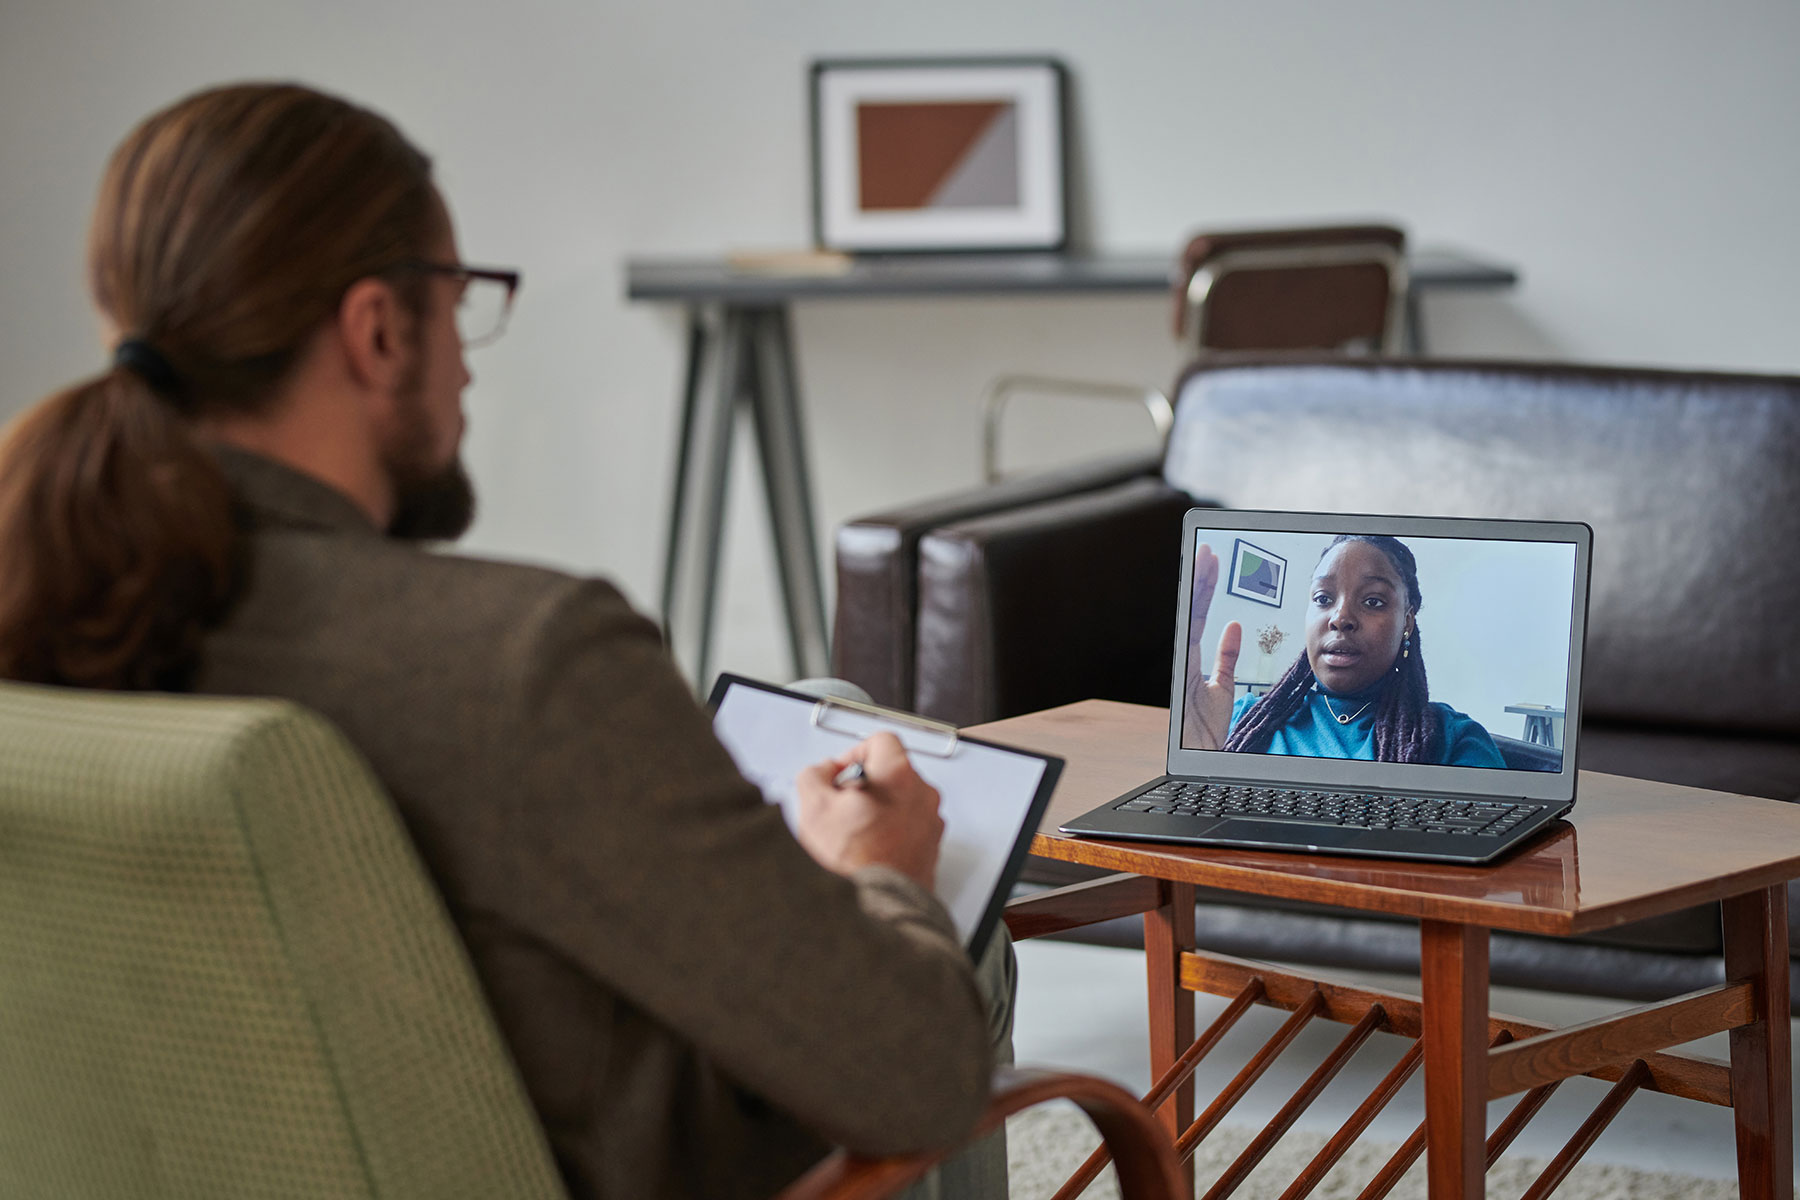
273, 494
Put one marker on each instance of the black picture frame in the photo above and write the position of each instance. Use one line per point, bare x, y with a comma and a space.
1253, 584
966, 208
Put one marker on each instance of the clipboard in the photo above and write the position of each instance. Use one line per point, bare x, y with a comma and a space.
993, 797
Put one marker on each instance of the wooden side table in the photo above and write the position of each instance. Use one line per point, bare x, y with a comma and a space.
1631, 849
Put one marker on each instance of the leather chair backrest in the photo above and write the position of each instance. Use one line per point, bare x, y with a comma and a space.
227, 972
1329, 288
1690, 481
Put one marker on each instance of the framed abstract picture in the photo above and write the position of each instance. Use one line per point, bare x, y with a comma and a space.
1256, 574
938, 154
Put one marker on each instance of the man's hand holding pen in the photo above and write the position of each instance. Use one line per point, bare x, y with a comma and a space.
868, 808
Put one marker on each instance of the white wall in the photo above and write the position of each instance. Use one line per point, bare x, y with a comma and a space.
1634, 158
1497, 615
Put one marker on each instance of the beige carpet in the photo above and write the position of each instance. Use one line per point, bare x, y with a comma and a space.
1047, 1143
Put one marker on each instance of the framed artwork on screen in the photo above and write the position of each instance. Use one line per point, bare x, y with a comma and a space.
1256, 574
939, 154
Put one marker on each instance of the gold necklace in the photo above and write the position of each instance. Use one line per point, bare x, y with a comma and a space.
1341, 718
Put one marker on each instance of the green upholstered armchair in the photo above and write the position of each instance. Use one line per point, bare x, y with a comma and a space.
224, 972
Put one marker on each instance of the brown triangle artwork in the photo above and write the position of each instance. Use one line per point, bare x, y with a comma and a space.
931, 155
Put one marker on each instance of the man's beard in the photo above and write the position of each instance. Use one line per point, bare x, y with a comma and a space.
435, 508
431, 503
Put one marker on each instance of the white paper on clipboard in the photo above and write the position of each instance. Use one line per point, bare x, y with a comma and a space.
991, 797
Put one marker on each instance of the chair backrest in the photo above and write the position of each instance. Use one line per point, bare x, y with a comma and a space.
1688, 479
226, 972
1340, 287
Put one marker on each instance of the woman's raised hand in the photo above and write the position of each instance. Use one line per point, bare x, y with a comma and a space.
1206, 716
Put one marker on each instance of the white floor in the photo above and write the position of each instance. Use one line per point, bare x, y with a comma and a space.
1082, 1008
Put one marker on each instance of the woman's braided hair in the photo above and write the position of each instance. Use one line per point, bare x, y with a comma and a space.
1405, 728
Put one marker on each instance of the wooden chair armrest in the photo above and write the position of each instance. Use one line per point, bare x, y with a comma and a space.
1140, 1146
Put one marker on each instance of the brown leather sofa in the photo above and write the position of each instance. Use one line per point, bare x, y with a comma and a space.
1059, 587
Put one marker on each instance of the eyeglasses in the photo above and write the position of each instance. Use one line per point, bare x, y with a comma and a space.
485, 300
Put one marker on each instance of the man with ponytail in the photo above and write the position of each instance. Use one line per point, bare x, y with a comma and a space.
699, 1004
1359, 688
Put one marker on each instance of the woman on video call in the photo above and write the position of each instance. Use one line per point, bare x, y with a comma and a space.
1359, 689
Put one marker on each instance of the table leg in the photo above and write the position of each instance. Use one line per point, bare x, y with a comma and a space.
1168, 933
697, 518
684, 453
1454, 983
1415, 322
1756, 949
780, 437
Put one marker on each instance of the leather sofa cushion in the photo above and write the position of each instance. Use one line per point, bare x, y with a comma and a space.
1744, 764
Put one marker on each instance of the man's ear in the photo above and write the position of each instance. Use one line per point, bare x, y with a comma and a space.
373, 325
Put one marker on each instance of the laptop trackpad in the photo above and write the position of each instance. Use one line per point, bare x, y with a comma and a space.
1281, 835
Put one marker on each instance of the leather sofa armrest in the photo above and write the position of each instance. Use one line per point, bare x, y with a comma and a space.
874, 632
1060, 601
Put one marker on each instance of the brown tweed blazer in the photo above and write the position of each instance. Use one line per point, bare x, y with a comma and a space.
695, 1005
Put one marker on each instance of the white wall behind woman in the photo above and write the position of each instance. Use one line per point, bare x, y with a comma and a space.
1497, 615
1635, 160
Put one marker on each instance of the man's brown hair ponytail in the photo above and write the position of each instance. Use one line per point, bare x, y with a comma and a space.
227, 230
118, 540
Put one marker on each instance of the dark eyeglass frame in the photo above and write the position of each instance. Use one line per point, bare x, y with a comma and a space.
460, 271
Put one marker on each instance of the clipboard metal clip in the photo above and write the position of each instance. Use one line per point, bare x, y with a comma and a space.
822, 716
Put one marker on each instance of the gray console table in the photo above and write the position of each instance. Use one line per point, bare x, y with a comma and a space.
740, 351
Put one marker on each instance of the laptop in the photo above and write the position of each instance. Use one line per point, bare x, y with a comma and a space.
1406, 687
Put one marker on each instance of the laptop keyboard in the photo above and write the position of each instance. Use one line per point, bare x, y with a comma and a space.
1357, 810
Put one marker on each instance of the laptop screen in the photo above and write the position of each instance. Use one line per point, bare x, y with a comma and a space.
1410, 641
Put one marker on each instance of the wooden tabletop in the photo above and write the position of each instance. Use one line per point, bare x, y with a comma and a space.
1631, 848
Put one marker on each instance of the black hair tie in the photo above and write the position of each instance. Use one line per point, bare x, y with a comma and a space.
143, 359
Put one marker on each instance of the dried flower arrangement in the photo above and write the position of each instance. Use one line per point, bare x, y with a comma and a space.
1269, 637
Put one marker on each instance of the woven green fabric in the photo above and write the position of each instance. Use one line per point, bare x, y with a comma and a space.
224, 972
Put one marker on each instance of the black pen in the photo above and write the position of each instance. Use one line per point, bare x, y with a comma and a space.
850, 776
